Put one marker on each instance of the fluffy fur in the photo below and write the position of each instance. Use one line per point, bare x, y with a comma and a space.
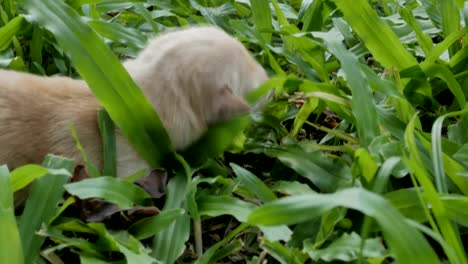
193, 77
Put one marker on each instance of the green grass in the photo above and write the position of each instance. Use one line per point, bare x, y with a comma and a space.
358, 153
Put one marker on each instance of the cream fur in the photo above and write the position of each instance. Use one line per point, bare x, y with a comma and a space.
193, 77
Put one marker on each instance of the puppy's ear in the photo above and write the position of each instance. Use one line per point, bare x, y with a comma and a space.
228, 105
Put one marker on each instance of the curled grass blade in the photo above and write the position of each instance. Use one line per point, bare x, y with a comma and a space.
437, 158
431, 197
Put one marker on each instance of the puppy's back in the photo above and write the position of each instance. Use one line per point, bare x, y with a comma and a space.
36, 114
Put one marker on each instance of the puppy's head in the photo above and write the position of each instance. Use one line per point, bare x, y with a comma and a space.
204, 65
195, 77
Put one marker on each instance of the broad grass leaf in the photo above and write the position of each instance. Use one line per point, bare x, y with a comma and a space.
440, 71
117, 241
441, 47
424, 40
270, 85
408, 203
436, 236
118, 191
328, 222
326, 174
150, 226
462, 154
11, 250
26, 174
458, 61
455, 206
306, 110
37, 45
107, 78
41, 205
85, 259
375, 34
407, 244
383, 176
384, 86
207, 257
230, 249
141, 9
7, 32
218, 205
346, 248
224, 205
367, 165
261, 15
73, 225
190, 202
215, 15
113, 5
450, 20
118, 33
284, 254
169, 244
363, 105
253, 184
311, 14
291, 187
121, 241
84, 245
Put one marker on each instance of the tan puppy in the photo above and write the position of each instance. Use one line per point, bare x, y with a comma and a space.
193, 77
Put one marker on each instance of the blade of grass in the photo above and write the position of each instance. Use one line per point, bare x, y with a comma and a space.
148, 227
450, 20
424, 40
41, 205
7, 32
11, 250
106, 128
169, 244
